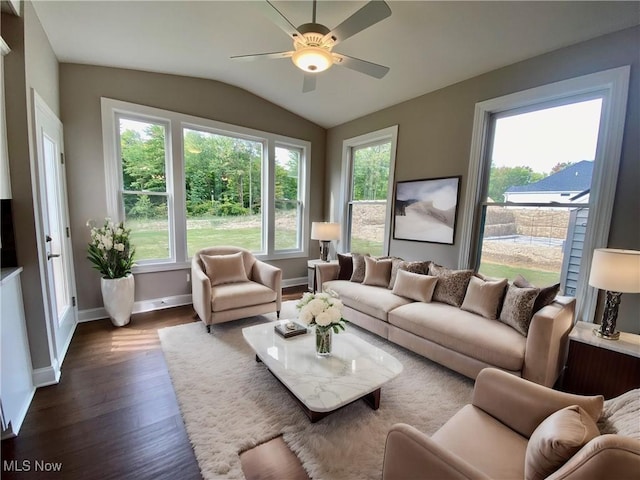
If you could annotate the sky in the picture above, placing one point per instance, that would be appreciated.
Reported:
(544, 138)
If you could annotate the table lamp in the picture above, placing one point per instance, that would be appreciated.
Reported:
(617, 272)
(325, 232)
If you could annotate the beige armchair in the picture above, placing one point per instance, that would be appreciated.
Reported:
(229, 283)
(497, 434)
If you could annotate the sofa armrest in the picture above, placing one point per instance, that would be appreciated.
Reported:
(606, 456)
(410, 453)
(324, 273)
(522, 405)
(269, 276)
(547, 341)
(200, 291)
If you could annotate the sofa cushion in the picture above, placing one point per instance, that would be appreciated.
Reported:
(464, 332)
(517, 308)
(415, 286)
(484, 297)
(358, 267)
(377, 272)
(238, 295)
(452, 284)
(374, 301)
(556, 440)
(345, 267)
(546, 295)
(396, 263)
(482, 441)
(224, 268)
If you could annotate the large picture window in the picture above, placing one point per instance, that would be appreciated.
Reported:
(183, 183)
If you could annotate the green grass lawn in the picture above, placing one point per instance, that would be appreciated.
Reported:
(539, 278)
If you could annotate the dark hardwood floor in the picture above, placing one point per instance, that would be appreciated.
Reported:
(114, 414)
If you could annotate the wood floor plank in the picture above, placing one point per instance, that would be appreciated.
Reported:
(114, 413)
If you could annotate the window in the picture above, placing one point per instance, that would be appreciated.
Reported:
(183, 183)
(540, 229)
(368, 164)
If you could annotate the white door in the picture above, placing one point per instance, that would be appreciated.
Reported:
(55, 233)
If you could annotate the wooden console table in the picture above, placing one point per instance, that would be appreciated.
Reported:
(599, 366)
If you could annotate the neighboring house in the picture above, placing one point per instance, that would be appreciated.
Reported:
(560, 187)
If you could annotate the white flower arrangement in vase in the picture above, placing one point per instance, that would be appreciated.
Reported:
(325, 312)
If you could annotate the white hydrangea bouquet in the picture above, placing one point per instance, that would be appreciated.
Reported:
(110, 249)
(321, 309)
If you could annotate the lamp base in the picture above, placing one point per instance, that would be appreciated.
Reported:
(613, 336)
(324, 250)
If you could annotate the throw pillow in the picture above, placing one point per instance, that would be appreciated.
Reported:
(556, 440)
(517, 308)
(620, 415)
(484, 297)
(358, 267)
(377, 272)
(415, 286)
(396, 263)
(452, 284)
(345, 267)
(546, 295)
(224, 268)
(417, 267)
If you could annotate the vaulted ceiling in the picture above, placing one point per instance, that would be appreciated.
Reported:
(426, 44)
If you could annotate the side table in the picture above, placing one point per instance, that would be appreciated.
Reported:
(311, 272)
(596, 366)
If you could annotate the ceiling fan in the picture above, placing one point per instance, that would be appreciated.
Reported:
(313, 42)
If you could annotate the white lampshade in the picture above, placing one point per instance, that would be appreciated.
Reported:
(312, 59)
(615, 270)
(325, 231)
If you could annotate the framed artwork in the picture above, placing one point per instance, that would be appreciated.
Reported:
(425, 210)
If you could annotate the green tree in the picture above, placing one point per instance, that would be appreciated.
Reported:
(501, 178)
(371, 172)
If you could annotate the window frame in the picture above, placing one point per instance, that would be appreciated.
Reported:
(388, 134)
(112, 110)
(613, 86)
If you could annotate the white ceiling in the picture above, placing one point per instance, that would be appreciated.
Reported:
(427, 45)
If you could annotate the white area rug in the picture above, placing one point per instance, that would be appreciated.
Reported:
(230, 403)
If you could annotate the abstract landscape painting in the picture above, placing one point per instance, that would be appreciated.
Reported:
(425, 210)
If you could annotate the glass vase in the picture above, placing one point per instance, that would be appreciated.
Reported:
(323, 341)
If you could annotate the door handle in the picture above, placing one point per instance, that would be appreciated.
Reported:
(52, 255)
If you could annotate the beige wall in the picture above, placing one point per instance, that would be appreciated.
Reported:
(81, 87)
(30, 64)
(434, 139)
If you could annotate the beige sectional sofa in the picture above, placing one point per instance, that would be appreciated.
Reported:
(460, 340)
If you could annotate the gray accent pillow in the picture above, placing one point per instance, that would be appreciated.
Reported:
(358, 267)
(377, 272)
(517, 308)
(452, 284)
(484, 297)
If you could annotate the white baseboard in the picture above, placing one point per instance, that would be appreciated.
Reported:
(43, 377)
(100, 313)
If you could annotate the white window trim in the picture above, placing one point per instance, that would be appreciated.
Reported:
(613, 85)
(379, 136)
(176, 122)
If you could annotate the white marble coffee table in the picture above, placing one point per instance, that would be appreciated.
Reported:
(355, 369)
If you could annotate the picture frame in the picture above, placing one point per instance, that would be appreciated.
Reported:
(426, 210)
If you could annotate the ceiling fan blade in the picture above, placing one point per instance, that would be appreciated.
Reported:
(362, 66)
(261, 56)
(309, 84)
(279, 19)
(370, 14)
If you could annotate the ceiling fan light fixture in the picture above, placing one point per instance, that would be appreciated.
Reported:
(312, 59)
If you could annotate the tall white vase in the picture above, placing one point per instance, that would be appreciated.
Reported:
(117, 296)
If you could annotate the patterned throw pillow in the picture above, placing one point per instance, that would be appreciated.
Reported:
(345, 270)
(546, 295)
(377, 272)
(452, 284)
(417, 267)
(358, 267)
(484, 297)
(517, 308)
